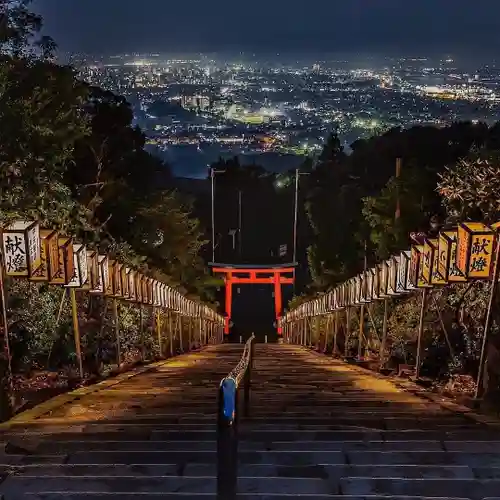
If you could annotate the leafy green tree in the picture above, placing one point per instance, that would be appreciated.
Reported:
(471, 188)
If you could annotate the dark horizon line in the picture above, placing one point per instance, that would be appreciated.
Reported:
(312, 55)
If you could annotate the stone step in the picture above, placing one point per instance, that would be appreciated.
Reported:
(142, 457)
(320, 471)
(111, 426)
(468, 488)
(54, 447)
(10, 460)
(455, 440)
(204, 457)
(311, 446)
(153, 496)
(292, 458)
(333, 425)
(16, 486)
(423, 458)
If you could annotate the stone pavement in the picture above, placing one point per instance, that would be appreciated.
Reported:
(325, 429)
(318, 428)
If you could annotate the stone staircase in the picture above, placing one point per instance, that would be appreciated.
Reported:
(151, 436)
(324, 429)
(318, 428)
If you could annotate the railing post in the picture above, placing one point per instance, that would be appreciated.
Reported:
(227, 422)
(248, 379)
(227, 451)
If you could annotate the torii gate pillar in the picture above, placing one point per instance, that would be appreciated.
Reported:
(255, 275)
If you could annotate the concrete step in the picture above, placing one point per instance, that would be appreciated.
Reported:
(455, 441)
(54, 446)
(310, 446)
(112, 426)
(11, 460)
(17, 486)
(319, 471)
(132, 434)
(474, 489)
(423, 458)
(142, 457)
(442, 430)
(152, 496)
(288, 457)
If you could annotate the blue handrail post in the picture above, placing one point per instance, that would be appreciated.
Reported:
(227, 423)
(227, 444)
(247, 380)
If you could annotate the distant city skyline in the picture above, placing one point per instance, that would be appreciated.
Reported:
(392, 27)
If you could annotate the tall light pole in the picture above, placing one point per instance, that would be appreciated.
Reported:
(298, 173)
(240, 217)
(212, 177)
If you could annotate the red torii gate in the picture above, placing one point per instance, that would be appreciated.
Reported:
(277, 275)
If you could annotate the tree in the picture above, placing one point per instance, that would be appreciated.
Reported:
(20, 32)
(471, 188)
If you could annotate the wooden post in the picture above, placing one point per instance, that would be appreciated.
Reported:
(158, 330)
(381, 355)
(335, 332)
(200, 326)
(420, 332)
(76, 331)
(170, 333)
(190, 332)
(347, 331)
(181, 332)
(487, 324)
(141, 332)
(117, 332)
(361, 331)
(6, 335)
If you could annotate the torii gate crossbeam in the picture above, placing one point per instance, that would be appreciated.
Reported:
(276, 275)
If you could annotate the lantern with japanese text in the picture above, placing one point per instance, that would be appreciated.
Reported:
(117, 279)
(392, 278)
(131, 284)
(93, 267)
(383, 278)
(80, 268)
(149, 288)
(63, 269)
(416, 267)
(431, 263)
(21, 248)
(99, 287)
(447, 249)
(475, 242)
(428, 255)
(138, 287)
(124, 282)
(144, 288)
(49, 250)
(404, 284)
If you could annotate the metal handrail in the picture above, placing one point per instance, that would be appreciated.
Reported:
(227, 422)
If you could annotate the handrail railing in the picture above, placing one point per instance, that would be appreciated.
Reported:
(227, 421)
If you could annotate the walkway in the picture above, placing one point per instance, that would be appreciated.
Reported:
(318, 427)
(322, 427)
(152, 433)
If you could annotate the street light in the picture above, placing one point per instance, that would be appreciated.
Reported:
(298, 173)
(213, 171)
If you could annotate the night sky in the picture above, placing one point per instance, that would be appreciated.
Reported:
(267, 26)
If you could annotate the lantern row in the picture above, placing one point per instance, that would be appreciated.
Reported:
(43, 255)
(455, 256)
